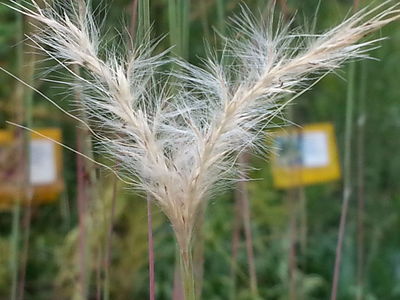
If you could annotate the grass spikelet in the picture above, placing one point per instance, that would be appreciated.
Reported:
(178, 149)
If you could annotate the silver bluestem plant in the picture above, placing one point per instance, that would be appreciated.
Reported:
(179, 144)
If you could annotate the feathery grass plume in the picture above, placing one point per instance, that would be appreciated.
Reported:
(178, 149)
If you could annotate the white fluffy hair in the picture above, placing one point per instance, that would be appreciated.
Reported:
(178, 143)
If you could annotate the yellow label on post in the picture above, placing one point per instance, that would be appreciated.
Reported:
(44, 172)
(305, 156)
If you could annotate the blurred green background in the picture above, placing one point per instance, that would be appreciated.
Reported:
(47, 264)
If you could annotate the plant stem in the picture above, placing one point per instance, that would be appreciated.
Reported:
(179, 25)
(107, 250)
(347, 180)
(82, 214)
(360, 178)
(360, 182)
(143, 26)
(133, 23)
(236, 227)
(23, 116)
(292, 208)
(143, 19)
(187, 273)
(85, 186)
(29, 71)
(242, 217)
(25, 249)
(178, 18)
(221, 16)
(150, 249)
(347, 173)
(247, 232)
(15, 248)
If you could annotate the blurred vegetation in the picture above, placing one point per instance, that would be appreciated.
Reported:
(52, 267)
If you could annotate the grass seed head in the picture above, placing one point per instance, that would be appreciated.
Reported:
(178, 147)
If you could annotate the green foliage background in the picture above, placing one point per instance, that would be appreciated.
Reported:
(52, 268)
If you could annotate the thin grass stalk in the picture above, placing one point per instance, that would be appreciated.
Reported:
(133, 23)
(243, 195)
(292, 207)
(360, 176)
(347, 186)
(185, 4)
(82, 214)
(85, 183)
(346, 178)
(143, 19)
(199, 234)
(108, 243)
(173, 24)
(25, 248)
(143, 28)
(249, 247)
(199, 238)
(178, 18)
(23, 115)
(29, 71)
(187, 272)
(293, 194)
(81, 198)
(361, 121)
(152, 280)
(236, 227)
(221, 16)
(291, 200)
(82, 206)
(14, 249)
(240, 197)
(204, 20)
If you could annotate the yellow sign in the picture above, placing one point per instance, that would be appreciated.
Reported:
(45, 168)
(305, 156)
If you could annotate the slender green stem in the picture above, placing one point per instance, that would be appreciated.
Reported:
(236, 227)
(293, 236)
(178, 18)
(16, 214)
(107, 250)
(185, 4)
(362, 115)
(142, 34)
(187, 273)
(143, 15)
(243, 195)
(347, 172)
(221, 15)
(347, 180)
(15, 249)
(204, 20)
